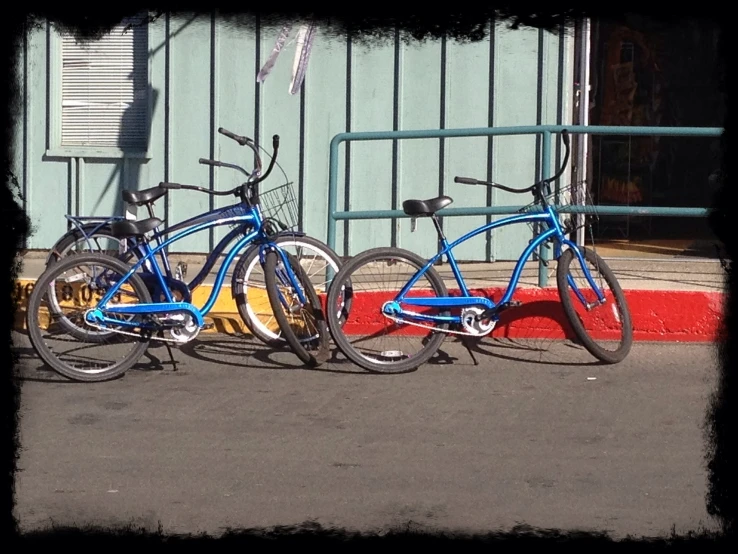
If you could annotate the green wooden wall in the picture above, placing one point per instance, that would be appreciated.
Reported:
(203, 71)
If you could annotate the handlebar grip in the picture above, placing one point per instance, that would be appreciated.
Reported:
(170, 185)
(275, 142)
(238, 138)
(465, 180)
(205, 161)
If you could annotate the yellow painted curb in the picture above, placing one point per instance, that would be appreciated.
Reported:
(224, 313)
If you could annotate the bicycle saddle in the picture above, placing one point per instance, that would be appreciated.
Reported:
(141, 197)
(426, 207)
(128, 228)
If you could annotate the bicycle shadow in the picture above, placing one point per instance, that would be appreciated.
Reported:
(30, 368)
(536, 332)
(231, 349)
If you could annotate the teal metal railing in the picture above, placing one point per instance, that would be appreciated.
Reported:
(545, 131)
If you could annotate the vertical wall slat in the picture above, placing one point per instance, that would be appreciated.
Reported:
(514, 157)
(167, 115)
(46, 179)
(395, 126)
(372, 93)
(215, 233)
(348, 145)
(491, 192)
(418, 165)
(190, 60)
(467, 105)
(279, 113)
(301, 160)
(324, 117)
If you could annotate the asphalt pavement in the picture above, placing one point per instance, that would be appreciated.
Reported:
(240, 436)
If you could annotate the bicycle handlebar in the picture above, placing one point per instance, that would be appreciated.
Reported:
(246, 141)
(243, 141)
(254, 177)
(536, 187)
(176, 186)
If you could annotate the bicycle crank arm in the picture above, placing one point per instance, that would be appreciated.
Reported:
(494, 312)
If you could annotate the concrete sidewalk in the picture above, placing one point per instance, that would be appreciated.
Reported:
(671, 298)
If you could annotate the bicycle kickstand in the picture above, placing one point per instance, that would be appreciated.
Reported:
(465, 341)
(169, 349)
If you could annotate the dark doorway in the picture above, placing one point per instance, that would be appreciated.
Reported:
(646, 72)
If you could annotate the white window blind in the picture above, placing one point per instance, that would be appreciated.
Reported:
(104, 89)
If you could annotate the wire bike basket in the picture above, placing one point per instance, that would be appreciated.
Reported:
(279, 206)
(576, 194)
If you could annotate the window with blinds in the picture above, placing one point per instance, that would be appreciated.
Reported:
(105, 89)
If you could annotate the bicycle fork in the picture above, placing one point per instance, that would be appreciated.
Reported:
(290, 279)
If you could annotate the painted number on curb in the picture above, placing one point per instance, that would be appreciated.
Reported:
(23, 292)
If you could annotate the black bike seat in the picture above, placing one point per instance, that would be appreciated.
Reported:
(141, 197)
(426, 207)
(127, 228)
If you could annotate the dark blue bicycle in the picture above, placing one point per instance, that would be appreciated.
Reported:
(384, 322)
(126, 307)
(247, 286)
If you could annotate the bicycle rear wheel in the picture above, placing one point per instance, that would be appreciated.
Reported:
(71, 289)
(313, 345)
(74, 242)
(612, 323)
(369, 338)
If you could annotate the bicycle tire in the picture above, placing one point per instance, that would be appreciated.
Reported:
(562, 270)
(310, 359)
(241, 278)
(34, 327)
(75, 235)
(349, 268)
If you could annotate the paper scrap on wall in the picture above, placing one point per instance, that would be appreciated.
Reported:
(304, 43)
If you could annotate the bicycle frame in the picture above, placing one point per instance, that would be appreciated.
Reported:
(138, 245)
(553, 232)
(251, 217)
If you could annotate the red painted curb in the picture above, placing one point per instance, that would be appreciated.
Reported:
(657, 315)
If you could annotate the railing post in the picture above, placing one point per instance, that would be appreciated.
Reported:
(332, 191)
(332, 194)
(545, 169)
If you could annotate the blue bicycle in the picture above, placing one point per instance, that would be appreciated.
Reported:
(94, 234)
(393, 317)
(107, 295)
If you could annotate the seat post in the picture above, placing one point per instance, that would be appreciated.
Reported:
(441, 236)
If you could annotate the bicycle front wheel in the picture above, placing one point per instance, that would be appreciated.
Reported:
(249, 285)
(77, 284)
(371, 339)
(306, 319)
(608, 322)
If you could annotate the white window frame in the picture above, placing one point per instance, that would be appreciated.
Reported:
(54, 147)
